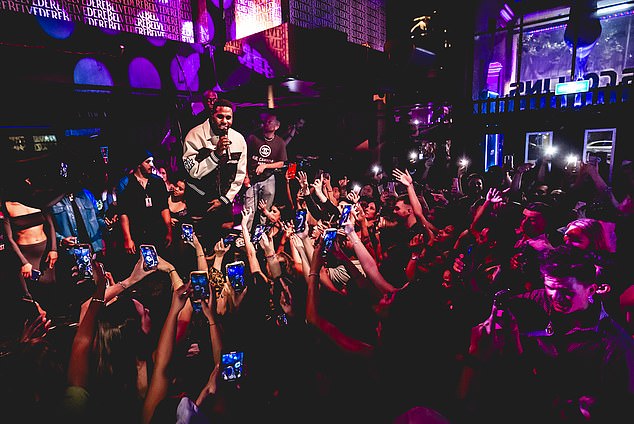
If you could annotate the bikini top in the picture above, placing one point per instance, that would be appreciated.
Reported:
(22, 222)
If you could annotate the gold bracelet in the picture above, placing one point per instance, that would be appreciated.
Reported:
(313, 273)
(122, 284)
(198, 256)
(92, 299)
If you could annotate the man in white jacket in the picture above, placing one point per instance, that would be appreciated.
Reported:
(215, 156)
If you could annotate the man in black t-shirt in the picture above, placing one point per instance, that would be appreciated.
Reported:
(144, 213)
(266, 152)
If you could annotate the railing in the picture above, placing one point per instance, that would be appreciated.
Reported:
(617, 94)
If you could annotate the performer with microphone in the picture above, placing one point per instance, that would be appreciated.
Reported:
(215, 172)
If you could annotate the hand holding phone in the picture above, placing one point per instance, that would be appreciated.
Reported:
(260, 229)
(150, 257)
(329, 238)
(235, 274)
(200, 289)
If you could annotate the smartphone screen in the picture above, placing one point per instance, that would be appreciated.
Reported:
(187, 233)
(230, 238)
(150, 257)
(200, 288)
(300, 220)
(345, 213)
(329, 237)
(83, 260)
(232, 366)
(260, 229)
(235, 273)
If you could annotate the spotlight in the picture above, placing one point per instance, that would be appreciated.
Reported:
(376, 169)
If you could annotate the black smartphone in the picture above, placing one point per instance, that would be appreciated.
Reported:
(83, 259)
(260, 229)
(200, 288)
(232, 366)
(187, 233)
(150, 257)
(329, 238)
(35, 274)
(345, 213)
(229, 239)
(235, 273)
(299, 223)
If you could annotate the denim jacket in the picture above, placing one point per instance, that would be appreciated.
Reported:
(66, 225)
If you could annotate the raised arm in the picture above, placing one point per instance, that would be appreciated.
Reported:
(160, 381)
(406, 179)
(313, 317)
(79, 364)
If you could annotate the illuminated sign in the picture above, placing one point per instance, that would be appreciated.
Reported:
(572, 87)
(252, 16)
(170, 19)
(606, 78)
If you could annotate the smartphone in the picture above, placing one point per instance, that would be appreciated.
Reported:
(230, 238)
(329, 237)
(200, 288)
(187, 233)
(83, 259)
(299, 223)
(292, 170)
(63, 169)
(260, 229)
(232, 366)
(345, 213)
(35, 274)
(235, 273)
(150, 257)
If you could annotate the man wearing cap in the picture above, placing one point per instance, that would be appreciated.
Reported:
(215, 156)
(144, 213)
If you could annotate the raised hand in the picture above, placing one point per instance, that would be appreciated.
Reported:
(494, 196)
(354, 197)
(262, 205)
(220, 249)
(403, 177)
(246, 215)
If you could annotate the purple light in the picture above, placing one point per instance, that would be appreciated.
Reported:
(90, 71)
(143, 74)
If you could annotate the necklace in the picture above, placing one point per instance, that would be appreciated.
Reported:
(269, 139)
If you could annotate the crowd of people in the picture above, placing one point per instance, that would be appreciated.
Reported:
(437, 297)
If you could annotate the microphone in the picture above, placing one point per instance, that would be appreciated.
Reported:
(224, 133)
